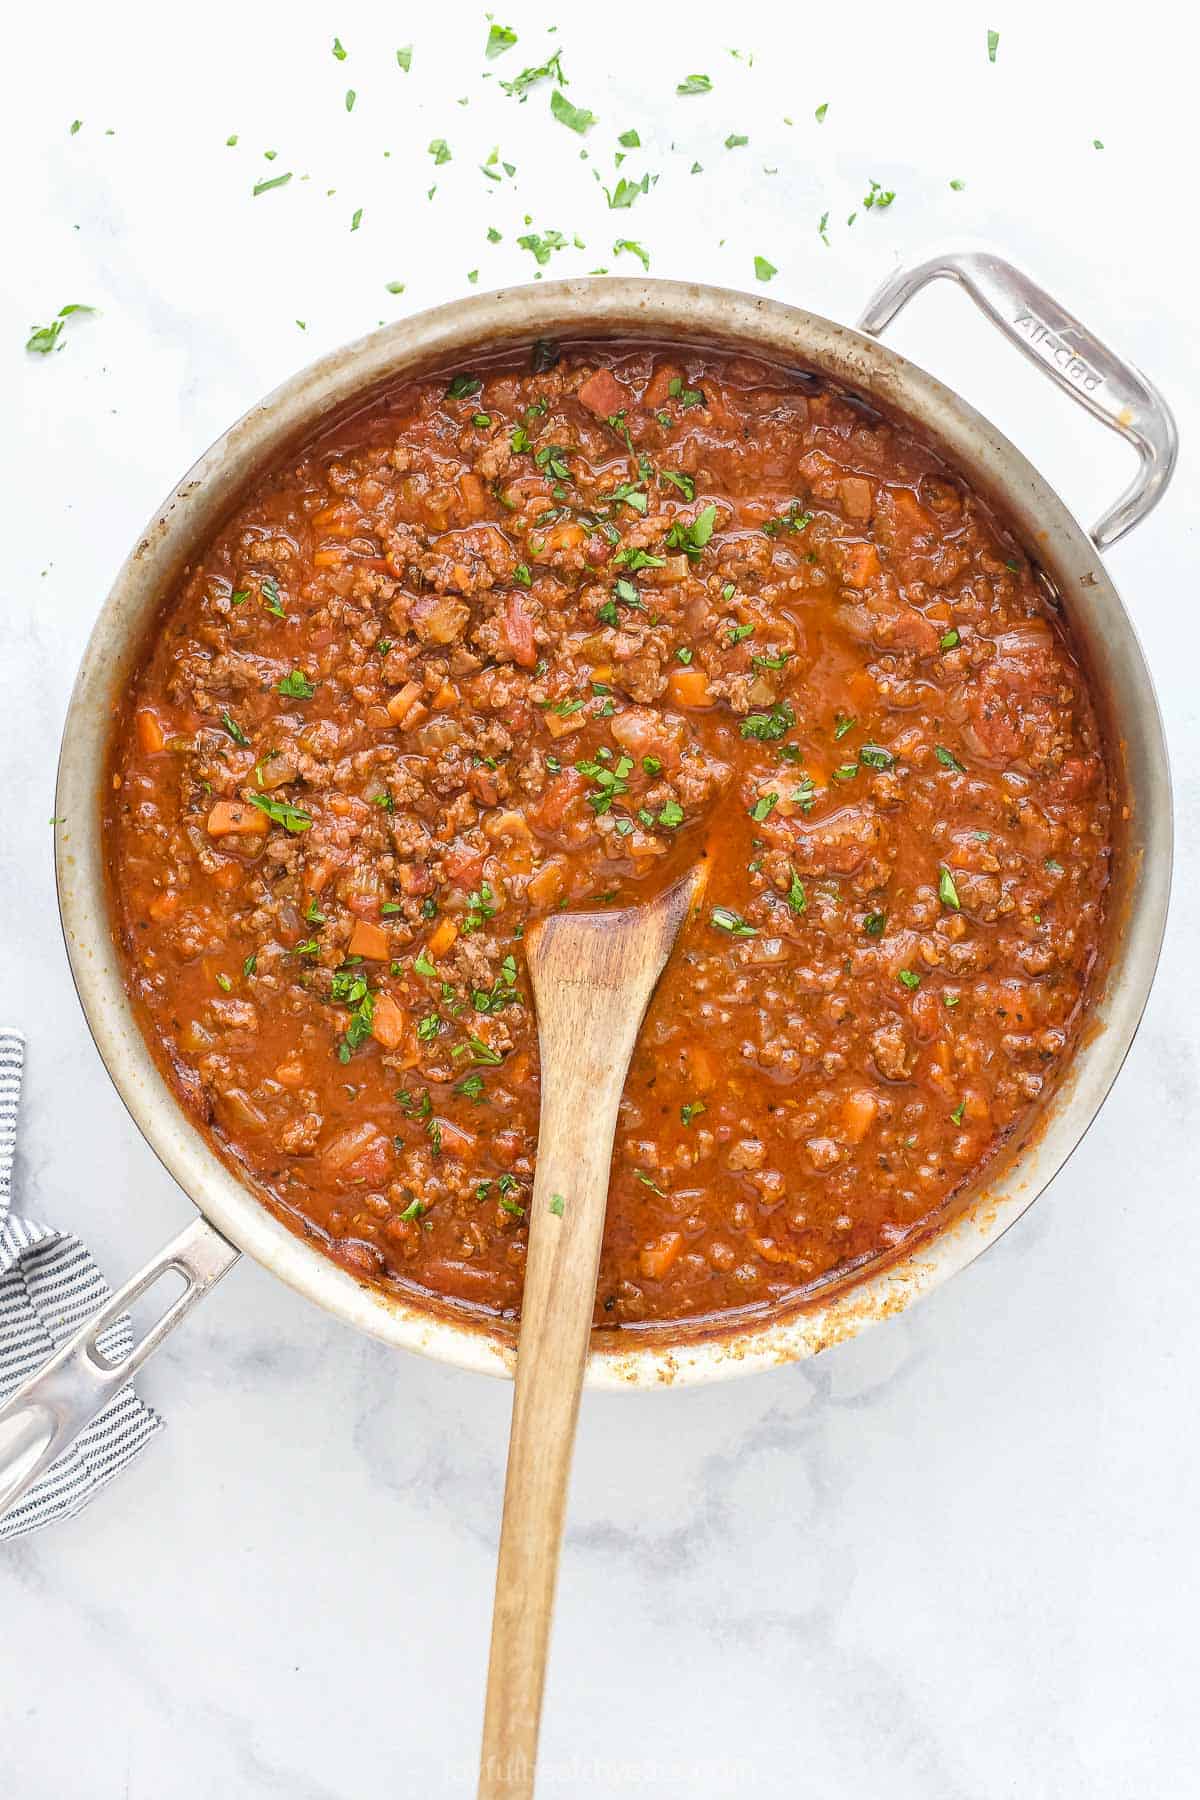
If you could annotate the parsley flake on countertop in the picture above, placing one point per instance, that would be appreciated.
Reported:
(695, 84)
(439, 149)
(576, 118)
(275, 181)
(764, 270)
(993, 44)
(500, 38)
(44, 338)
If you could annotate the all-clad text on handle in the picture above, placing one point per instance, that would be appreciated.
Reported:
(1111, 388)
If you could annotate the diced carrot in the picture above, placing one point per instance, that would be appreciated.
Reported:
(328, 559)
(654, 1260)
(236, 818)
(689, 687)
(703, 1069)
(858, 1115)
(603, 394)
(403, 701)
(860, 564)
(564, 536)
(369, 940)
(164, 906)
(389, 1023)
(442, 937)
(150, 734)
(909, 511)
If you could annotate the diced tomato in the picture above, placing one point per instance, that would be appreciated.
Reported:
(603, 394)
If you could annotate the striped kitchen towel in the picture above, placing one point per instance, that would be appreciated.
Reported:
(49, 1286)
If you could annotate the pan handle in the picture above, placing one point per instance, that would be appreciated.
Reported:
(46, 1413)
(1096, 377)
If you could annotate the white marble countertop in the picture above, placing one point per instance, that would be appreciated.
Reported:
(954, 1560)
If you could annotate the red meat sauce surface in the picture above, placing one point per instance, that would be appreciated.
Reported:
(541, 636)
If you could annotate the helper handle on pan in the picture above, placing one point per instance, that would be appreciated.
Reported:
(46, 1413)
(1095, 376)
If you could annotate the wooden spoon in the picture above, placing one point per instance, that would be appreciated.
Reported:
(592, 976)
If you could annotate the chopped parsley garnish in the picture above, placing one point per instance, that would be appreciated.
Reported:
(282, 812)
(556, 1206)
(348, 988)
(610, 782)
(947, 759)
(735, 140)
(270, 597)
(471, 1086)
(500, 38)
(576, 118)
(634, 249)
(909, 980)
(552, 458)
(993, 44)
(638, 559)
(875, 924)
(691, 1109)
(481, 905)
(842, 724)
(671, 814)
(541, 246)
(763, 807)
(876, 757)
(626, 192)
(630, 139)
(423, 966)
(295, 686)
(684, 483)
(43, 338)
(947, 892)
(725, 919)
(235, 731)
(250, 965)
(648, 1181)
(764, 270)
(878, 197)
(686, 396)
(797, 899)
(520, 85)
(957, 1114)
(794, 519)
(404, 58)
(439, 149)
(694, 84)
(766, 727)
(819, 115)
(463, 386)
(263, 187)
(949, 640)
(692, 538)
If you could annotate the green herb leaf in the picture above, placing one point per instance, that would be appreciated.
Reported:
(634, 250)
(671, 814)
(768, 727)
(875, 924)
(463, 386)
(764, 270)
(947, 759)
(993, 44)
(439, 149)
(500, 38)
(949, 640)
(735, 141)
(556, 1205)
(264, 187)
(338, 50)
(725, 919)
(404, 58)
(909, 980)
(695, 84)
(957, 1114)
(235, 731)
(576, 118)
(295, 686)
(876, 757)
(819, 115)
(797, 899)
(282, 812)
(691, 1109)
(947, 892)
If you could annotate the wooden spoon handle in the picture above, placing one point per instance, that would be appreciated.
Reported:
(592, 989)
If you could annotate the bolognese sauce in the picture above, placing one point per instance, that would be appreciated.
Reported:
(543, 634)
